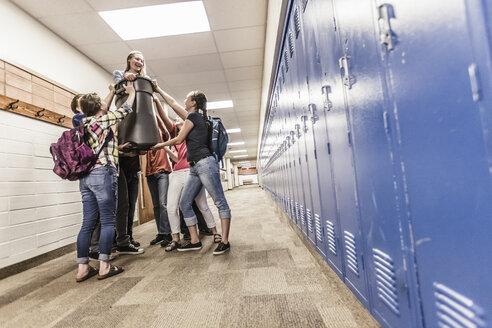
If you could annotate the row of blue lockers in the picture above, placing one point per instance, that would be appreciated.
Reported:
(377, 144)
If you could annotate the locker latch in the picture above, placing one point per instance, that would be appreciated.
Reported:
(314, 113)
(326, 90)
(298, 130)
(343, 62)
(304, 119)
(386, 34)
(292, 137)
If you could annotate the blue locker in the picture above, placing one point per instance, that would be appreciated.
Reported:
(343, 163)
(437, 88)
(296, 54)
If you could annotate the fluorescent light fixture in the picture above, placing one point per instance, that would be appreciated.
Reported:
(233, 130)
(235, 143)
(220, 104)
(237, 151)
(238, 156)
(160, 20)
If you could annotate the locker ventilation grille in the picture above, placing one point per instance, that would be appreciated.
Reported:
(283, 75)
(286, 61)
(297, 22)
(351, 252)
(291, 44)
(297, 211)
(386, 280)
(301, 214)
(456, 310)
(309, 219)
(319, 228)
(330, 237)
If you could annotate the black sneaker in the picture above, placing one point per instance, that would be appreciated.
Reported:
(187, 236)
(190, 247)
(135, 243)
(222, 248)
(158, 239)
(130, 249)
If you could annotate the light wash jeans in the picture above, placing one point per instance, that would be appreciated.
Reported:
(177, 181)
(205, 173)
(158, 187)
(99, 190)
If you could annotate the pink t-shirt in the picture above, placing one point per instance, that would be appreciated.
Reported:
(182, 162)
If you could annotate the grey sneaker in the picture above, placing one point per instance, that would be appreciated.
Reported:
(222, 248)
(130, 249)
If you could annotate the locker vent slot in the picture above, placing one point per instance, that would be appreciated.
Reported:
(386, 280)
(309, 219)
(301, 214)
(351, 252)
(286, 61)
(297, 22)
(283, 75)
(456, 310)
(304, 4)
(319, 228)
(291, 44)
(330, 237)
(297, 211)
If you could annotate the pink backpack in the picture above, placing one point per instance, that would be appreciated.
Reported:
(72, 156)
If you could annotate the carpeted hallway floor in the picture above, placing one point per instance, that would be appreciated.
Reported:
(268, 279)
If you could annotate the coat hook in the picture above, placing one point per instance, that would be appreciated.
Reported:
(13, 105)
(60, 120)
(39, 113)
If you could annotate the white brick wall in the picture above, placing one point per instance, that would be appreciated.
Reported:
(39, 212)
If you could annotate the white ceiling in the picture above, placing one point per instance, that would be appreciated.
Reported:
(226, 63)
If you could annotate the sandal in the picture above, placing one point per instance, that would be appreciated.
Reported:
(217, 238)
(173, 244)
(92, 272)
(113, 270)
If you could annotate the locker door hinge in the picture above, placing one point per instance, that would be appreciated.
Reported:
(386, 123)
(299, 160)
(386, 34)
(344, 65)
(305, 155)
(327, 104)
(334, 24)
(349, 136)
(362, 262)
(475, 82)
(315, 154)
(329, 148)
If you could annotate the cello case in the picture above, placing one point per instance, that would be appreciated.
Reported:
(140, 126)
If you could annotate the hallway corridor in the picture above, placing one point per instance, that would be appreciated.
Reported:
(268, 279)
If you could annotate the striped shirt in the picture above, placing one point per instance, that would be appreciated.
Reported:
(97, 129)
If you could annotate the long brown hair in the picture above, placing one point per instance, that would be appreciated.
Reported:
(201, 102)
(130, 56)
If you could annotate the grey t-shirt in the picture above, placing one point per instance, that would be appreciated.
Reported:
(197, 138)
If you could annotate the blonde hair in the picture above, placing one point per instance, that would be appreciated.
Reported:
(130, 56)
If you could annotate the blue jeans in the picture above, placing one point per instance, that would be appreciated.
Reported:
(204, 173)
(99, 190)
(158, 186)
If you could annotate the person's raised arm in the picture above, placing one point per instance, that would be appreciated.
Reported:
(172, 154)
(162, 114)
(109, 98)
(180, 110)
(183, 133)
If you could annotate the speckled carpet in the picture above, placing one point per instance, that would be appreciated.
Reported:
(268, 279)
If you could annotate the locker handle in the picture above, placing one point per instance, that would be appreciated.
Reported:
(292, 137)
(304, 119)
(298, 130)
(314, 113)
(343, 62)
(326, 90)
(386, 34)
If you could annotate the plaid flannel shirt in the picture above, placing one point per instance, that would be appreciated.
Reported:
(97, 129)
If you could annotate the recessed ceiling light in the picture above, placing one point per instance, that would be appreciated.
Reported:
(237, 151)
(220, 104)
(160, 20)
(233, 130)
(238, 156)
(235, 143)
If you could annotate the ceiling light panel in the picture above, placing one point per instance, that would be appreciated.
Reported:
(156, 21)
(233, 130)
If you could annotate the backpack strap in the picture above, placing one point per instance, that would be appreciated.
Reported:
(106, 141)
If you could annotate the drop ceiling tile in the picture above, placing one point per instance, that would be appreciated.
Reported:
(100, 54)
(244, 85)
(228, 14)
(175, 45)
(246, 94)
(81, 29)
(244, 73)
(240, 38)
(186, 64)
(248, 101)
(99, 5)
(197, 79)
(43, 8)
(233, 59)
(245, 110)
